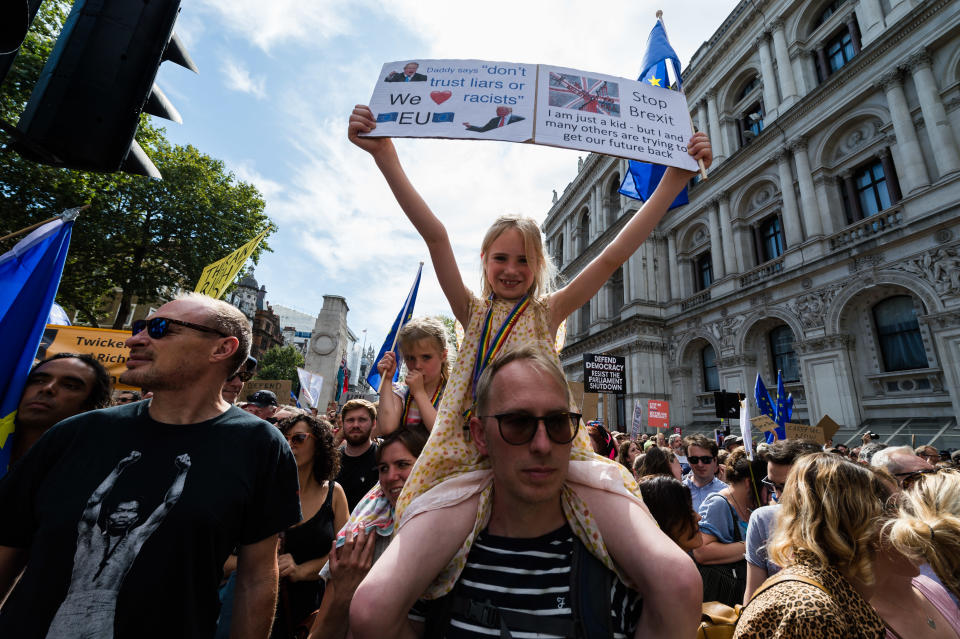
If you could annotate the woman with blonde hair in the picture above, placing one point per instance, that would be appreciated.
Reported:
(925, 530)
(825, 537)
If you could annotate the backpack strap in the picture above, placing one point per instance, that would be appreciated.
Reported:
(590, 585)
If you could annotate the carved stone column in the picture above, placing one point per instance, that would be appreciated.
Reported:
(716, 242)
(791, 214)
(674, 266)
(808, 197)
(716, 135)
(854, 30)
(853, 198)
(788, 89)
(890, 175)
(770, 99)
(913, 170)
(726, 229)
(650, 253)
(942, 139)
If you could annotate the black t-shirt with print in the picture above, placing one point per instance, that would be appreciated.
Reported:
(128, 521)
(358, 474)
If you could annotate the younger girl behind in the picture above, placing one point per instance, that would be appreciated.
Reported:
(423, 344)
(518, 308)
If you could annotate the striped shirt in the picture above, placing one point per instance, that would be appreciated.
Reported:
(530, 576)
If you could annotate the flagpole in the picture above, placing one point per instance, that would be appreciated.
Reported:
(406, 307)
(39, 224)
(703, 167)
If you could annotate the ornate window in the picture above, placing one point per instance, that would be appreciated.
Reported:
(783, 355)
(898, 333)
(840, 50)
(583, 231)
(584, 319)
(872, 191)
(703, 271)
(770, 234)
(558, 250)
(711, 378)
(751, 84)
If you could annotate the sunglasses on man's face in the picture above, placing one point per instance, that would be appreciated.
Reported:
(520, 428)
(703, 459)
(158, 327)
(245, 376)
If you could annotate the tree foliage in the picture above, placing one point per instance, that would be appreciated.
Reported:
(142, 236)
(280, 362)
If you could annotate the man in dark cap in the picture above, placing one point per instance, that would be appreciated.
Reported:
(263, 404)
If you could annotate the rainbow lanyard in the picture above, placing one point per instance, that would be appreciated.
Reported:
(435, 400)
(489, 345)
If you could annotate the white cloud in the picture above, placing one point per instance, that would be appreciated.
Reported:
(268, 23)
(238, 78)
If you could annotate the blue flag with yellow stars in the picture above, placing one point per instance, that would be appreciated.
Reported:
(642, 178)
(29, 276)
(390, 343)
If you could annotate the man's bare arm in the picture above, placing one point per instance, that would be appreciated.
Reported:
(255, 598)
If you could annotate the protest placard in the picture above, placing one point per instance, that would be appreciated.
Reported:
(106, 345)
(216, 277)
(658, 413)
(516, 102)
(280, 387)
(637, 420)
(823, 431)
(604, 373)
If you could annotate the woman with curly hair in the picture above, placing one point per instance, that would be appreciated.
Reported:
(304, 547)
(825, 537)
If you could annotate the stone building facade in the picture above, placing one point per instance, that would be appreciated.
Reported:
(825, 242)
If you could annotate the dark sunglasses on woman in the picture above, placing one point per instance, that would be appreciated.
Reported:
(158, 327)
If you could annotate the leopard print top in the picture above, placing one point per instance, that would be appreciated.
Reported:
(795, 610)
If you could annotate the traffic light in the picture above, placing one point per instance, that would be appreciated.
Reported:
(85, 108)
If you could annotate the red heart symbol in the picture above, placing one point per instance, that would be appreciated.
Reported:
(440, 96)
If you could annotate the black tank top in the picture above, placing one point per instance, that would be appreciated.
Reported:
(312, 538)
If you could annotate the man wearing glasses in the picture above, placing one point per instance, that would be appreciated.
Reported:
(781, 457)
(702, 479)
(520, 569)
(234, 384)
(234, 483)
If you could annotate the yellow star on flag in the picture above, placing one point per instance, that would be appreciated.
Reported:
(654, 82)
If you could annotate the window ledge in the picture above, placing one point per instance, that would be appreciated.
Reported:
(762, 272)
(868, 227)
(919, 380)
(697, 300)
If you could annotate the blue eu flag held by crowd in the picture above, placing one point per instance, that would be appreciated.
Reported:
(642, 178)
(781, 412)
(389, 344)
(29, 276)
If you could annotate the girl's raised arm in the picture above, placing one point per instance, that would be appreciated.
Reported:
(588, 281)
(427, 224)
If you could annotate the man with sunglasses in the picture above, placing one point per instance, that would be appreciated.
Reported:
(521, 569)
(702, 478)
(781, 456)
(234, 384)
(236, 485)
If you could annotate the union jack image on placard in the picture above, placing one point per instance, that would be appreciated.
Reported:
(584, 94)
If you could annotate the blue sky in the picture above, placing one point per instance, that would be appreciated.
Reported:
(278, 80)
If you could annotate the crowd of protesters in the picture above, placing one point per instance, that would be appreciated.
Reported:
(813, 540)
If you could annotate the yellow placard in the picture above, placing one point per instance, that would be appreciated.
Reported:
(106, 345)
(216, 277)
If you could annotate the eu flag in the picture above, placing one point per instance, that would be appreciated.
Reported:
(443, 117)
(29, 276)
(388, 117)
(766, 406)
(642, 178)
(390, 343)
